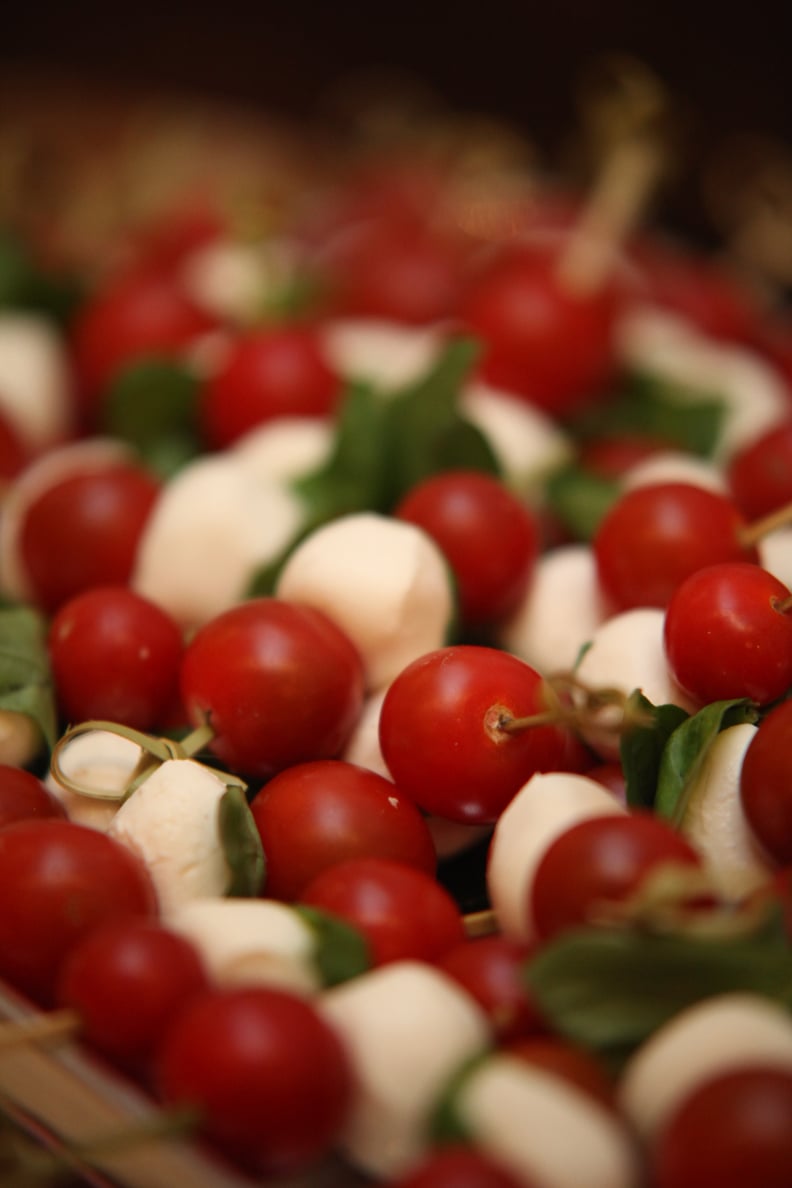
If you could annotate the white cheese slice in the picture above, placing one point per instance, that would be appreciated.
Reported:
(35, 380)
(386, 354)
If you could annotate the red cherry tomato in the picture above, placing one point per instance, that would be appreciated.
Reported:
(766, 783)
(492, 970)
(760, 474)
(403, 913)
(733, 1130)
(58, 880)
(269, 1077)
(459, 1167)
(443, 731)
(278, 371)
(542, 340)
(653, 537)
(127, 980)
(610, 456)
(728, 633)
(313, 815)
(599, 861)
(84, 530)
(14, 454)
(24, 797)
(278, 683)
(114, 655)
(146, 313)
(489, 537)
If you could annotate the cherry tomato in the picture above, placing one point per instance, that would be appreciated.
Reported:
(728, 634)
(58, 880)
(766, 783)
(23, 797)
(599, 861)
(444, 734)
(492, 970)
(733, 1130)
(611, 776)
(84, 530)
(402, 912)
(653, 537)
(127, 980)
(270, 1078)
(579, 1066)
(278, 371)
(278, 683)
(114, 655)
(760, 474)
(612, 455)
(14, 454)
(542, 340)
(459, 1167)
(144, 313)
(489, 537)
(313, 815)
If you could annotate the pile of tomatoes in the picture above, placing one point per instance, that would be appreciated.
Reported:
(283, 515)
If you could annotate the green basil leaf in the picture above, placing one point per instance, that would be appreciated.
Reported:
(610, 989)
(445, 1124)
(26, 684)
(26, 286)
(152, 404)
(642, 746)
(341, 952)
(241, 843)
(687, 749)
(580, 499)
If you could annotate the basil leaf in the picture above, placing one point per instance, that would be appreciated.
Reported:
(341, 951)
(580, 499)
(152, 404)
(26, 684)
(687, 749)
(610, 989)
(445, 1122)
(241, 843)
(642, 746)
(26, 286)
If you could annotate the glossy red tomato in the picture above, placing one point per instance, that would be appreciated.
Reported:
(14, 453)
(402, 912)
(543, 340)
(492, 970)
(444, 732)
(114, 655)
(269, 1077)
(760, 474)
(653, 537)
(459, 1167)
(84, 530)
(766, 783)
(278, 683)
(600, 861)
(23, 797)
(58, 880)
(733, 1130)
(728, 633)
(488, 535)
(127, 981)
(313, 815)
(278, 371)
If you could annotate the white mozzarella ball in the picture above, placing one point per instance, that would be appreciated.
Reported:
(562, 607)
(212, 527)
(528, 444)
(544, 808)
(35, 380)
(250, 942)
(713, 1036)
(714, 821)
(234, 279)
(542, 1128)
(386, 354)
(285, 448)
(99, 760)
(383, 581)
(407, 1028)
(675, 466)
(172, 822)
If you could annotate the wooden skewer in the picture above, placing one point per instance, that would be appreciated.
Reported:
(483, 923)
(41, 1029)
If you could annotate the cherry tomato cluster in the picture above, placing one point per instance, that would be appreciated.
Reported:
(408, 641)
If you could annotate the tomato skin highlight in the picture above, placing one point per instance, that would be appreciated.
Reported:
(313, 815)
(269, 1077)
(439, 737)
(58, 880)
(278, 683)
